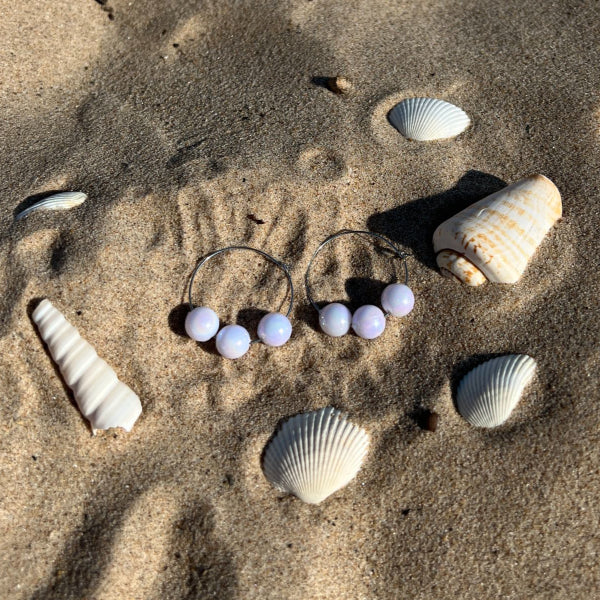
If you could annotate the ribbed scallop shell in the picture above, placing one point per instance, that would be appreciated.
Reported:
(315, 454)
(488, 394)
(427, 119)
(103, 399)
(60, 201)
(500, 233)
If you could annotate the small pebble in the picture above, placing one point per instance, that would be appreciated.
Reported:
(338, 85)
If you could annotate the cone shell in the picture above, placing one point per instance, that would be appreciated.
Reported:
(315, 454)
(427, 119)
(489, 393)
(103, 399)
(499, 234)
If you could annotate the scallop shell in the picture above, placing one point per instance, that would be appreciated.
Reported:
(426, 119)
(103, 399)
(499, 234)
(488, 394)
(61, 201)
(315, 454)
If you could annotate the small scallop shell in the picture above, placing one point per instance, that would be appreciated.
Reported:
(315, 454)
(426, 119)
(103, 399)
(61, 201)
(488, 394)
(499, 234)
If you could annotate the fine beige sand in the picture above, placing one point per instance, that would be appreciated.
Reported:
(188, 122)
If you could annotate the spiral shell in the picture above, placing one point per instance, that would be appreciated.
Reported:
(494, 238)
(103, 399)
(315, 454)
(488, 394)
(427, 119)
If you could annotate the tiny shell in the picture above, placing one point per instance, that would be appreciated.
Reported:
(427, 119)
(494, 238)
(103, 399)
(488, 394)
(61, 201)
(315, 454)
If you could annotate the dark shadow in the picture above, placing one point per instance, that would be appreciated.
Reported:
(364, 290)
(177, 319)
(203, 567)
(320, 81)
(59, 256)
(426, 419)
(79, 568)
(412, 224)
(31, 200)
(249, 318)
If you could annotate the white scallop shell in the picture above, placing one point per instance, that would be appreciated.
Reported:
(103, 399)
(426, 119)
(488, 394)
(499, 234)
(315, 454)
(61, 201)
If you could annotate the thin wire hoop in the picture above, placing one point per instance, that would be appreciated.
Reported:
(285, 268)
(399, 254)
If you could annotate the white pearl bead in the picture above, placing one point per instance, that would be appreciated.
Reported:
(201, 323)
(368, 322)
(274, 329)
(397, 299)
(233, 341)
(335, 319)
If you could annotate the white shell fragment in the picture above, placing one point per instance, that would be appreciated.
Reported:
(61, 201)
(494, 238)
(315, 454)
(427, 119)
(488, 394)
(103, 399)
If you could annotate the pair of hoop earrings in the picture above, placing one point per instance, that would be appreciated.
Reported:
(275, 329)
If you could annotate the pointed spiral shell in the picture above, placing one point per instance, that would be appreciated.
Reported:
(103, 399)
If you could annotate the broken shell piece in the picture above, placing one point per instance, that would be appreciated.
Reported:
(338, 85)
(488, 394)
(494, 238)
(103, 399)
(315, 454)
(61, 201)
(428, 119)
(452, 264)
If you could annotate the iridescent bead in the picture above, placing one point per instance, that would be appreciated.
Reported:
(368, 322)
(397, 299)
(335, 319)
(201, 323)
(274, 329)
(233, 341)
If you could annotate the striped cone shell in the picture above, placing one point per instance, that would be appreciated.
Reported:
(499, 234)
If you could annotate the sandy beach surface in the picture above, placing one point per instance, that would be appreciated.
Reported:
(194, 125)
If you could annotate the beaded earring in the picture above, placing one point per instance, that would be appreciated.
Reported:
(233, 341)
(368, 321)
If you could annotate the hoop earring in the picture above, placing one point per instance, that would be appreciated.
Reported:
(368, 321)
(233, 341)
